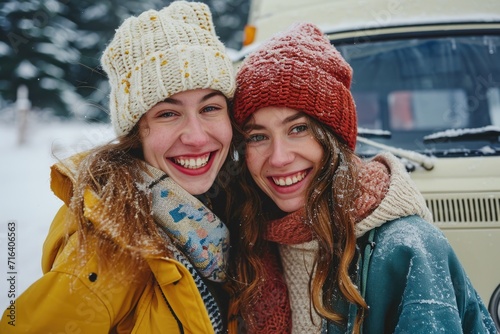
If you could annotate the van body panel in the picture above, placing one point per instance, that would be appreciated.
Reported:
(342, 15)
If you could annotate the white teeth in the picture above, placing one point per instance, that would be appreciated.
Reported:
(289, 180)
(192, 163)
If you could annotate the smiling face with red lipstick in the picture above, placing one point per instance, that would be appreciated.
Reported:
(282, 155)
(188, 137)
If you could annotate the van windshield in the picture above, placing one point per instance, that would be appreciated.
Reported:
(438, 96)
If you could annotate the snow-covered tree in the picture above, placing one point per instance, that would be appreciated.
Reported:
(229, 17)
(53, 47)
(38, 48)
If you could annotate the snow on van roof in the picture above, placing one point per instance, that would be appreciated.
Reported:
(451, 133)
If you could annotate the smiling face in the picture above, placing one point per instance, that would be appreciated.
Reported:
(282, 155)
(188, 137)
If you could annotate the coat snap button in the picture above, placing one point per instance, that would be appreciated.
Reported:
(92, 277)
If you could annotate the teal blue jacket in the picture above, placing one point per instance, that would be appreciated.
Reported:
(413, 283)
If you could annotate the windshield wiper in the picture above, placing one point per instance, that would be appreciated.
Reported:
(370, 133)
(426, 162)
(490, 133)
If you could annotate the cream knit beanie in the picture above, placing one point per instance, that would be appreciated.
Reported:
(161, 53)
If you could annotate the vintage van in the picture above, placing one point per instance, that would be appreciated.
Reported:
(427, 87)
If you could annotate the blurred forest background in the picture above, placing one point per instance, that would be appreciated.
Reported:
(53, 47)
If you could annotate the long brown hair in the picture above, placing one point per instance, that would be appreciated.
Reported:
(127, 230)
(329, 210)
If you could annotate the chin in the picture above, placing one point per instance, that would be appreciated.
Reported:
(196, 191)
(291, 207)
(200, 189)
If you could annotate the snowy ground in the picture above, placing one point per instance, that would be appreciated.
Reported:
(26, 198)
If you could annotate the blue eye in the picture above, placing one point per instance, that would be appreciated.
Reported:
(167, 114)
(255, 138)
(210, 108)
(299, 128)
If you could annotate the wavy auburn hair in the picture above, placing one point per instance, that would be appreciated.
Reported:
(127, 230)
(330, 211)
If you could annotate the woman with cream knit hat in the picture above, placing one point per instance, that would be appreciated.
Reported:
(136, 247)
(327, 242)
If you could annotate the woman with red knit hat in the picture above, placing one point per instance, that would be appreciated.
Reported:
(330, 243)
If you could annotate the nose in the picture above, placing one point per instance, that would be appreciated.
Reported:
(194, 133)
(281, 153)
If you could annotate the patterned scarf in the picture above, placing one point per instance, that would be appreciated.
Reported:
(193, 228)
(271, 312)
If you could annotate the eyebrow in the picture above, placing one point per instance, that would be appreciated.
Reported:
(252, 126)
(203, 99)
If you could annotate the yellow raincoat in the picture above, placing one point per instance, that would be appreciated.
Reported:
(70, 300)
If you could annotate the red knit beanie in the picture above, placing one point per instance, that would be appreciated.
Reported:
(301, 70)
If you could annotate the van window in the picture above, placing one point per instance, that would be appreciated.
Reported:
(417, 86)
(494, 105)
(428, 109)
